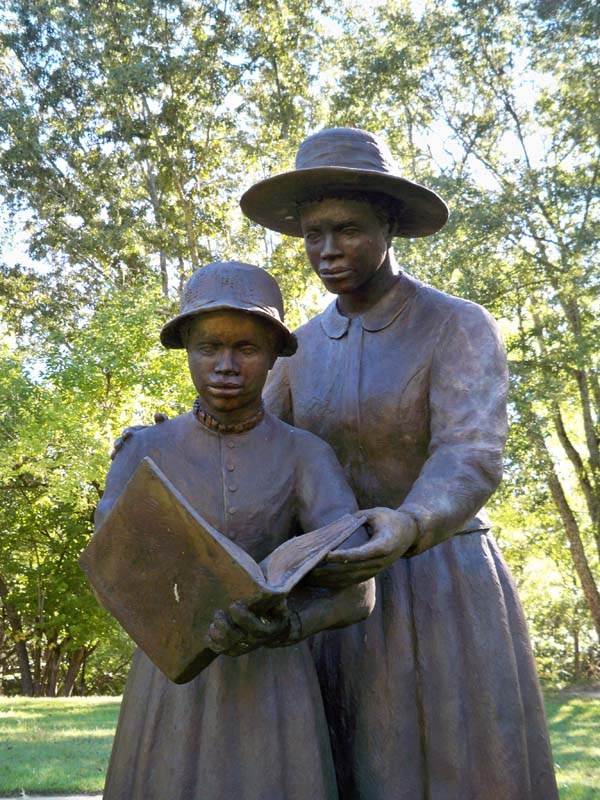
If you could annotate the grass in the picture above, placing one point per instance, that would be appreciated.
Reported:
(56, 745)
(63, 745)
(575, 733)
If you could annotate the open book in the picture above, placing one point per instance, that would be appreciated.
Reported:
(163, 571)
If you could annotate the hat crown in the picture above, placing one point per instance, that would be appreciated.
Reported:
(351, 148)
(232, 284)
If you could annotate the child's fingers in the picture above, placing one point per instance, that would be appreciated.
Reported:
(250, 622)
(222, 633)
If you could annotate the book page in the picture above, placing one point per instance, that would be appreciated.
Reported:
(291, 561)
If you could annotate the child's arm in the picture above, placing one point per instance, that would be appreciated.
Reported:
(324, 495)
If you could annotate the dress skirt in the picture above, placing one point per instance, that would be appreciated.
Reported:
(435, 696)
(247, 728)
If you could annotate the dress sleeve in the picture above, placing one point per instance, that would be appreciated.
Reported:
(277, 396)
(322, 491)
(467, 407)
(323, 495)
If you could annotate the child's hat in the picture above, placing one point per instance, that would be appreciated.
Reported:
(227, 285)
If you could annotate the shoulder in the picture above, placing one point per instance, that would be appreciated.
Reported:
(306, 445)
(454, 312)
(151, 437)
(313, 329)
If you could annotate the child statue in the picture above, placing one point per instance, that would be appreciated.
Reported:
(251, 726)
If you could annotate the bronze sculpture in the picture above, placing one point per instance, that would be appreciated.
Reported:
(435, 695)
(252, 724)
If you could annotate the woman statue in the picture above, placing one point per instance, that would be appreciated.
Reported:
(435, 695)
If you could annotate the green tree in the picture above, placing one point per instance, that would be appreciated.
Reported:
(497, 98)
(126, 133)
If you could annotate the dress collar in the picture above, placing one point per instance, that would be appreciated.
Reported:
(208, 421)
(380, 316)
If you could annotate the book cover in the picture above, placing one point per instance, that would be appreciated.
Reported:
(163, 571)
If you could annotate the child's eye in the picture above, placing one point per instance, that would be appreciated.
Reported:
(248, 350)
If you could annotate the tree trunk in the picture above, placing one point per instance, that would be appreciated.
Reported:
(82, 690)
(587, 485)
(576, 653)
(16, 627)
(75, 663)
(580, 561)
(37, 671)
(50, 679)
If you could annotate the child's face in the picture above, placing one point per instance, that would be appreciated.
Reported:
(229, 355)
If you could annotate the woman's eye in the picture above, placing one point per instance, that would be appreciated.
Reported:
(206, 349)
(311, 237)
(248, 351)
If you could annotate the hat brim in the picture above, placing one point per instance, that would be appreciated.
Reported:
(274, 201)
(170, 335)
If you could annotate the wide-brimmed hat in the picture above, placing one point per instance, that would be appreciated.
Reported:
(343, 159)
(230, 285)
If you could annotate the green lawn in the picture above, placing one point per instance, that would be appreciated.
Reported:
(63, 745)
(575, 733)
(55, 745)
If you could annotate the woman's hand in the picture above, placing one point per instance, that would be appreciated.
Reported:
(392, 533)
(130, 431)
(238, 630)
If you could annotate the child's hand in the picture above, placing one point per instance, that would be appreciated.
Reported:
(238, 630)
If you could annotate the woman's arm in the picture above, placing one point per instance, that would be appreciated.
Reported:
(467, 408)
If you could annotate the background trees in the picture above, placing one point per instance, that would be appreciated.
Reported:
(127, 133)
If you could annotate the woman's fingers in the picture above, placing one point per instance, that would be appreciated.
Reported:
(375, 548)
(337, 576)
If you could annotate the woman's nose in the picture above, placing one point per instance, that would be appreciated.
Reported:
(330, 247)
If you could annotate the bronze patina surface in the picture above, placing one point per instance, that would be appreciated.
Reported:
(252, 724)
(434, 696)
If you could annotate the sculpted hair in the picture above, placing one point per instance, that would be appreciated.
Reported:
(389, 211)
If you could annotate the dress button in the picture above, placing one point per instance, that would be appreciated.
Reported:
(233, 534)
(232, 487)
(230, 444)
(230, 467)
(232, 510)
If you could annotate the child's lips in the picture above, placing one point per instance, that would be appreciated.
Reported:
(226, 388)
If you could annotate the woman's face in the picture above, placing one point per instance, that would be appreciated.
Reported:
(346, 243)
(229, 355)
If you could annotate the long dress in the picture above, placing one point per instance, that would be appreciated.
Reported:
(435, 696)
(251, 727)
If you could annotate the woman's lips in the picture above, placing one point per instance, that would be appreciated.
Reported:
(334, 274)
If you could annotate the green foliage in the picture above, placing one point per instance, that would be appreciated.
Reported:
(127, 133)
(496, 99)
